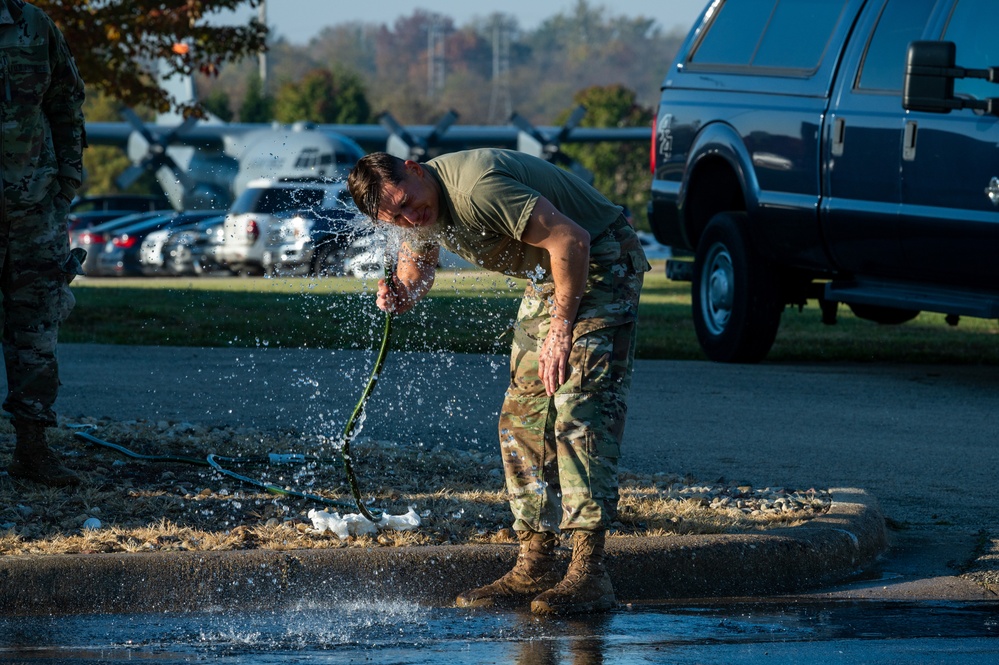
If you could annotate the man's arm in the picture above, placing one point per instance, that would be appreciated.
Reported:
(412, 279)
(568, 245)
(63, 106)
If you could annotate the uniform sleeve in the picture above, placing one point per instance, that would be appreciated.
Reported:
(63, 106)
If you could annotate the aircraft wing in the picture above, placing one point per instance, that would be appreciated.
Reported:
(375, 137)
(371, 137)
(205, 136)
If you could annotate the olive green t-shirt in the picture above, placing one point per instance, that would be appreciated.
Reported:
(488, 196)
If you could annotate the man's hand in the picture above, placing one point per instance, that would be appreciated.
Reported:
(393, 298)
(414, 275)
(553, 364)
(568, 245)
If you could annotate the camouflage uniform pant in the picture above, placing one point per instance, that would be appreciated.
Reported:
(35, 270)
(560, 453)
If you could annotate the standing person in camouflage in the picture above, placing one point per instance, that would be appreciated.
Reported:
(563, 415)
(41, 165)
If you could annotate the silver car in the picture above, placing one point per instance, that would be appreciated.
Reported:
(256, 228)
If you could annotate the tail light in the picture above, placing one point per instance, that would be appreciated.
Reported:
(252, 230)
(88, 238)
(124, 241)
(652, 149)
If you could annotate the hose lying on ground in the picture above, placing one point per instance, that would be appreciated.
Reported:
(215, 461)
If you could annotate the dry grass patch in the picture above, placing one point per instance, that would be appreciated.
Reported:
(146, 506)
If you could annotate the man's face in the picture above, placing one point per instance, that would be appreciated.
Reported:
(413, 203)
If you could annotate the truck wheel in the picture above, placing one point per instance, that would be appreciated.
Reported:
(734, 294)
(888, 316)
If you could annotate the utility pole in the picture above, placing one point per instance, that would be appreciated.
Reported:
(435, 57)
(502, 33)
(262, 56)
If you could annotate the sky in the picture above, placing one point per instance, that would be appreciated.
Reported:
(300, 20)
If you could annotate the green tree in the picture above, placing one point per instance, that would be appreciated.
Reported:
(323, 96)
(113, 40)
(103, 163)
(620, 170)
(257, 107)
(217, 103)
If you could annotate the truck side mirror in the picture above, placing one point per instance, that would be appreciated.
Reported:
(929, 77)
(929, 80)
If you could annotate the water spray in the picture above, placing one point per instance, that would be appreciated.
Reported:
(373, 516)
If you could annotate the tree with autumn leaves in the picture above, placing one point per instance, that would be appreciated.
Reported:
(118, 43)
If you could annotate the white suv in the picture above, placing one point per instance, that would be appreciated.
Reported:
(256, 226)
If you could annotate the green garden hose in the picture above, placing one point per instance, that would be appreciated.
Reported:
(216, 461)
(348, 430)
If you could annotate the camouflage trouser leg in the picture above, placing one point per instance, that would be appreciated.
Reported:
(34, 249)
(560, 453)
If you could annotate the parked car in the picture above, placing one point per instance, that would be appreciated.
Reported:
(152, 257)
(89, 211)
(94, 239)
(191, 250)
(77, 222)
(255, 228)
(121, 254)
(124, 202)
(317, 242)
(832, 151)
(366, 257)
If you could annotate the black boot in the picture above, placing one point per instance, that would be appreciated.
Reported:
(34, 461)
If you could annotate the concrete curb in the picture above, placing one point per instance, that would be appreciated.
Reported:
(832, 548)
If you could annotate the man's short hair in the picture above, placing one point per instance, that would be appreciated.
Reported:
(371, 173)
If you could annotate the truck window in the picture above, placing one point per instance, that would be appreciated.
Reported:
(970, 27)
(768, 34)
(901, 22)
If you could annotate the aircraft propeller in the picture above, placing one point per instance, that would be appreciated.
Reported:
(404, 145)
(156, 155)
(532, 140)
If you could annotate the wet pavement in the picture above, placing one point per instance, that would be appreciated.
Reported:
(404, 632)
(919, 439)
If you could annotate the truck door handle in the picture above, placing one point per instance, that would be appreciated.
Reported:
(909, 141)
(838, 136)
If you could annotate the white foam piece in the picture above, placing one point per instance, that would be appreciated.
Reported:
(355, 524)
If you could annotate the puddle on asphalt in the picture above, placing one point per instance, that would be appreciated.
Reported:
(403, 632)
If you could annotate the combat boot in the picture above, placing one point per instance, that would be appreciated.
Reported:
(587, 586)
(533, 573)
(34, 461)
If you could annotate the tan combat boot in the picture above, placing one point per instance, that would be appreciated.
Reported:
(586, 586)
(534, 572)
(34, 461)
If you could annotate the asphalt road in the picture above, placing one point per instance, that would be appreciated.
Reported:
(921, 439)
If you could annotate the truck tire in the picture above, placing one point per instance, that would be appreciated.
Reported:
(888, 316)
(735, 293)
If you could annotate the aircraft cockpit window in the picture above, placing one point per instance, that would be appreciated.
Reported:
(308, 158)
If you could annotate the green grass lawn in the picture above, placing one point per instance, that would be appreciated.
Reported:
(466, 312)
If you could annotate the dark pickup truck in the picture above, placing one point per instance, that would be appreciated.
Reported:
(839, 150)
